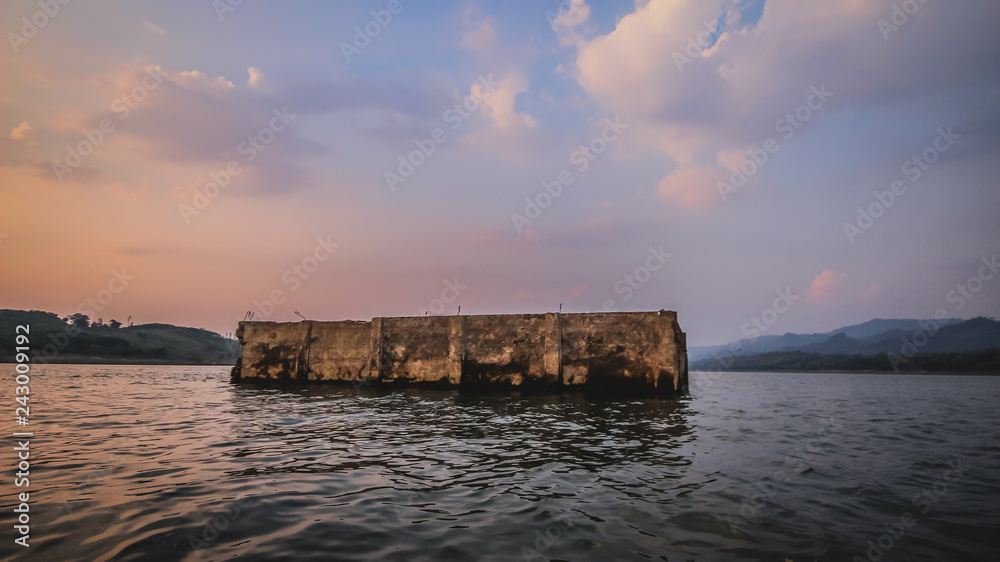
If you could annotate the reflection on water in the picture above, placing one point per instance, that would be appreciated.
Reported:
(175, 463)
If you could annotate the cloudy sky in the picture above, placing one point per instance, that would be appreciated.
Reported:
(186, 162)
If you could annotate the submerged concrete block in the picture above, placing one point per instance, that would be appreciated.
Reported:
(638, 353)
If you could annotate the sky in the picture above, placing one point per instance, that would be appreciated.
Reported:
(809, 164)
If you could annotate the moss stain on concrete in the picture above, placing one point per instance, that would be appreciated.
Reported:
(634, 353)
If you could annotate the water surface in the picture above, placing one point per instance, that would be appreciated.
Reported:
(176, 463)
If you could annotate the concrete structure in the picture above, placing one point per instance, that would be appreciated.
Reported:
(642, 353)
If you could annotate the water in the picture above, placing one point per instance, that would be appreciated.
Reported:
(174, 463)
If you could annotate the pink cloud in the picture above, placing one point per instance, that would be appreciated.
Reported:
(823, 285)
(691, 186)
(871, 292)
(24, 133)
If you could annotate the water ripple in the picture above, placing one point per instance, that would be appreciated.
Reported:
(175, 463)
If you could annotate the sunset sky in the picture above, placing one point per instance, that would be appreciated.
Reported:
(408, 143)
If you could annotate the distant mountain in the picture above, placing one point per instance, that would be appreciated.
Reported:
(881, 326)
(971, 362)
(57, 341)
(762, 344)
(958, 346)
(858, 339)
(976, 334)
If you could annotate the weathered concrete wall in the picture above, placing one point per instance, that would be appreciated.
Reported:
(420, 350)
(338, 351)
(635, 352)
(509, 351)
(276, 351)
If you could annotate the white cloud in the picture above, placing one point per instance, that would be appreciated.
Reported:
(730, 95)
(155, 29)
(499, 106)
(481, 34)
(199, 81)
(257, 79)
(509, 132)
(566, 22)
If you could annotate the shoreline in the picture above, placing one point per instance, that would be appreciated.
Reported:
(842, 372)
(122, 363)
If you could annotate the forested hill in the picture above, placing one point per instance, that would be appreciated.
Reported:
(75, 339)
(922, 346)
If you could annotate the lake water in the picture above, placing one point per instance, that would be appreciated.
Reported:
(175, 463)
